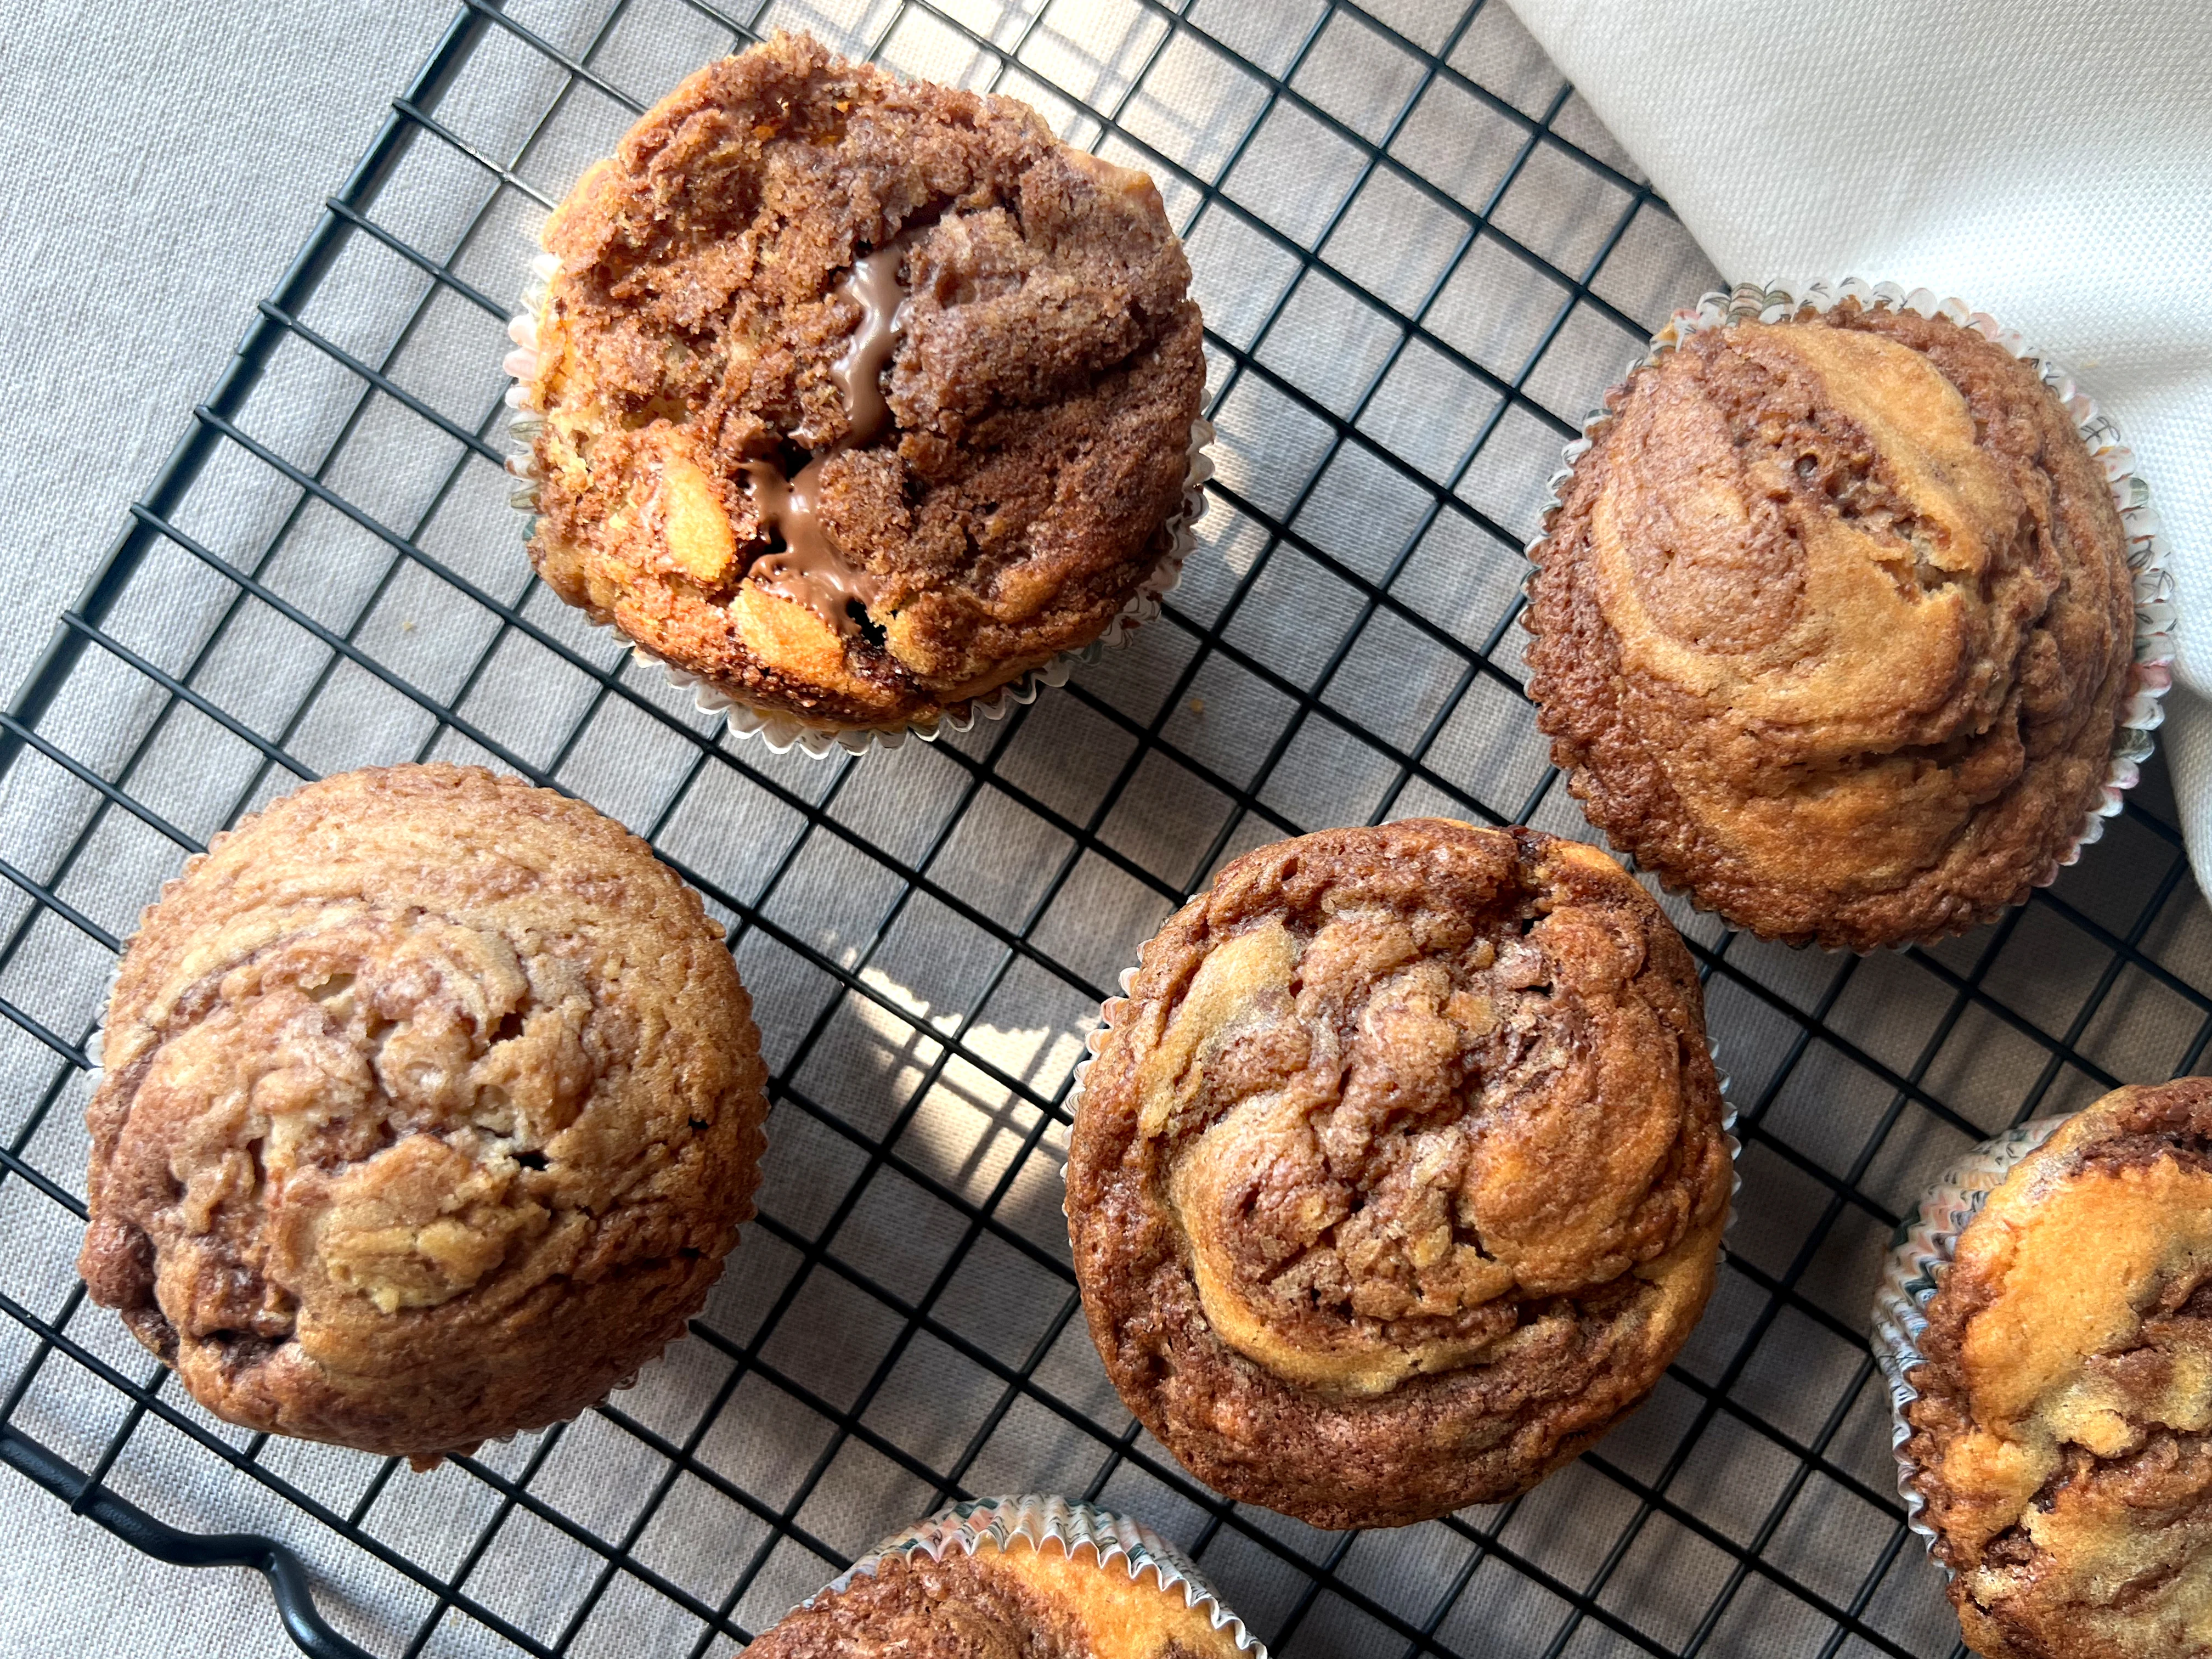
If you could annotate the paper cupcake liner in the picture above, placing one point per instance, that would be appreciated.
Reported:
(1116, 1543)
(780, 728)
(95, 1043)
(1920, 1256)
(2152, 672)
(1113, 1008)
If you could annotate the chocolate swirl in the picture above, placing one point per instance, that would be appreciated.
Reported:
(1833, 625)
(1401, 1173)
(1020, 1602)
(432, 1105)
(2063, 1431)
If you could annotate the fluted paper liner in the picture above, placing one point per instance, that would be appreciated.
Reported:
(2141, 710)
(1921, 1253)
(780, 728)
(1117, 1543)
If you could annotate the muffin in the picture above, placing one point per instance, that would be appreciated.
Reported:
(1015, 1578)
(2056, 1410)
(1400, 1175)
(1834, 624)
(857, 399)
(431, 1105)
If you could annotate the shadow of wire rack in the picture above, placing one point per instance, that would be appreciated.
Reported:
(1420, 259)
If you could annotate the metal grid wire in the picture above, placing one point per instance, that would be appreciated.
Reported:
(1421, 261)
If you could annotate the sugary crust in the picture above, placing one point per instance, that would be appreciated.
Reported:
(2063, 1434)
(432, 1103)
(1020, 1603)
(1832, 626)
(1401, 1175)
(1040, 394)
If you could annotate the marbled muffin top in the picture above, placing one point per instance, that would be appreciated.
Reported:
(1020, 1602)
(2063, 1433)
(432, 1104)
(1833, 625)
(1401, 1175)
(862, 397)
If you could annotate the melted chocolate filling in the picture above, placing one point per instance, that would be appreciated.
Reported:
(811, 568)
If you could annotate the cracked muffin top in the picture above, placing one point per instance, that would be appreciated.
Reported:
(1400, 1176)
(2063, 1434)
(860, 397)
(431, 1105)
(1833, 625)
(1020, 1602)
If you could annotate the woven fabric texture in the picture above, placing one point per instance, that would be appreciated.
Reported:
(159, 166)
(1422, 259)
(2048, 162)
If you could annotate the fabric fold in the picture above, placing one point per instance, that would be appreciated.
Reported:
(2049, 163)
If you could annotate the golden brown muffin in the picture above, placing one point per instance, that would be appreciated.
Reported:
(2063, 1431)
(432, 1104)
(862, 397)
(1833, 625)
(1401, 1175)
(1016, 1602)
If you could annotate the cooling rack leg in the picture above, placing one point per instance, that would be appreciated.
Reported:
(286, 1576)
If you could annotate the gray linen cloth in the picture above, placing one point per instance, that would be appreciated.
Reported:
(927, 1047)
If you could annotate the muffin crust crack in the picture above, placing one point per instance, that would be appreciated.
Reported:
(727, 473)
(1402, 1166)
(432, 1106)
(2064, 1430)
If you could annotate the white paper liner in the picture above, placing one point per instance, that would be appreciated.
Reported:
(1117, 1543)
(1920, 1257)
(781, 729)
(95, 1044)
(2141, 711)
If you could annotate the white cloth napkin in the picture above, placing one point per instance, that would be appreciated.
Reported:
(2048, 161)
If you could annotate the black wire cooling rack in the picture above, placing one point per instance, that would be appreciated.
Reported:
(1421, 261)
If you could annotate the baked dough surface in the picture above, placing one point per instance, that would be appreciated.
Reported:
(1021, 1602)
(1833, 625)
(432, 1103)
(1401, 1175)
(2064, 1428)
(862, 397)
